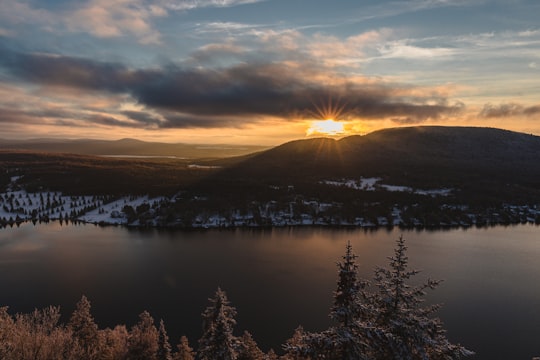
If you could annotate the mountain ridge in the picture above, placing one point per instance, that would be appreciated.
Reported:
(433, 146)
(487, 165)
(129, 147)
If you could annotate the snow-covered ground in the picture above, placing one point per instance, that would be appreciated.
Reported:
(372, 184)
(367, 184)
(19, 205)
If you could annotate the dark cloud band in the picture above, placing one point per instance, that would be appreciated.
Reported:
(195, 97)
(507, 110)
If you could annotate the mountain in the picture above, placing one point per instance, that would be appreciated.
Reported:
(129, 147)
(476, 160)
(480, 165)
(439, 151)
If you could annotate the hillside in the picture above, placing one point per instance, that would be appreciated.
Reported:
(92, 175)
(476, 160)
(129, 147)
(446, 153)
(418, 176)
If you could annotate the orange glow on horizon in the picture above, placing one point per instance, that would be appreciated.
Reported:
(330, 114)
(326, 127)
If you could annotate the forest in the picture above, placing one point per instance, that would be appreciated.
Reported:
(382, 318)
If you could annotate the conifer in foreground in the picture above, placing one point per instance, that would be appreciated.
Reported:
(400, 326)
(385, 321)
(217, 341)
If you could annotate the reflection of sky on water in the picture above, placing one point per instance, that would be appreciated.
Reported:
(277, 278)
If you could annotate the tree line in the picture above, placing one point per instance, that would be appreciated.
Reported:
(384, 318)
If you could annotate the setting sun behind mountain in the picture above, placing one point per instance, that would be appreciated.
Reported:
(325, 127)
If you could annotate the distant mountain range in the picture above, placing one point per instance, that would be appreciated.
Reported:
(129, 147)
(418, 176)
(480, 163)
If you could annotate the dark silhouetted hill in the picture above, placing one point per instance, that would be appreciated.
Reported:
(475, 160)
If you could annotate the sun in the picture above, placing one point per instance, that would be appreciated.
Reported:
(330, 112)
(325, 127)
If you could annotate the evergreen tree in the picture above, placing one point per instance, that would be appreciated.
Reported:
(185, 352)
(143, 339)
(271, 355)
(345, 308)
(217, 341)
(248, 348)
(115, 343)
(399, 326)
(346, 344)
(385, 322)
(164, 347)
(296, 347)
(84, 329)
(342, 341)
(7, 331)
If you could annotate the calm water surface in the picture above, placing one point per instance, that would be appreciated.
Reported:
(277, 279)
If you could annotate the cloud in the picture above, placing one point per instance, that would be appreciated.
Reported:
(100, 18)
(217, 53)
(508, 110)
(186, 97)
(6, 32)
(353, 49)
(19, 12)
(403, 50)
(183, 5)
(224, 27)
(394, 8)
(104, 18)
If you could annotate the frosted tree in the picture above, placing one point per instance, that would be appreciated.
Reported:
(115, 343)
(185, 352)
(217, 341)
(143, 339)
(7, 331)
(248, 348)
(84, 329)
(37, 335)
(399, 326)
(341, 341)
(347, 311)
(271, 355)
(385, 321)
(164, 347)
(296, 347)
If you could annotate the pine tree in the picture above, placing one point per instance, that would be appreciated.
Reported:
(185, 352)
(346, 311)
(217, 341)
(7, 331)
(115, 343)
(271, 355)
(84, 329)
(384, 322)
(248, 348)
(345, 308)
(295, 347)
(143, 339)
(341, 341)
(399, 326)
(164, 347)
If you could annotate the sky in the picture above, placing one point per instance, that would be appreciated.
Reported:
(264, 71)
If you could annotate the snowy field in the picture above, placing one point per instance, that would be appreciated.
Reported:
(373, 184)
(17, 205)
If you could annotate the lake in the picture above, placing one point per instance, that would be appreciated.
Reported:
(276, 278)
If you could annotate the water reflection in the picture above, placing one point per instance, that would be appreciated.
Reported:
(277, 278)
